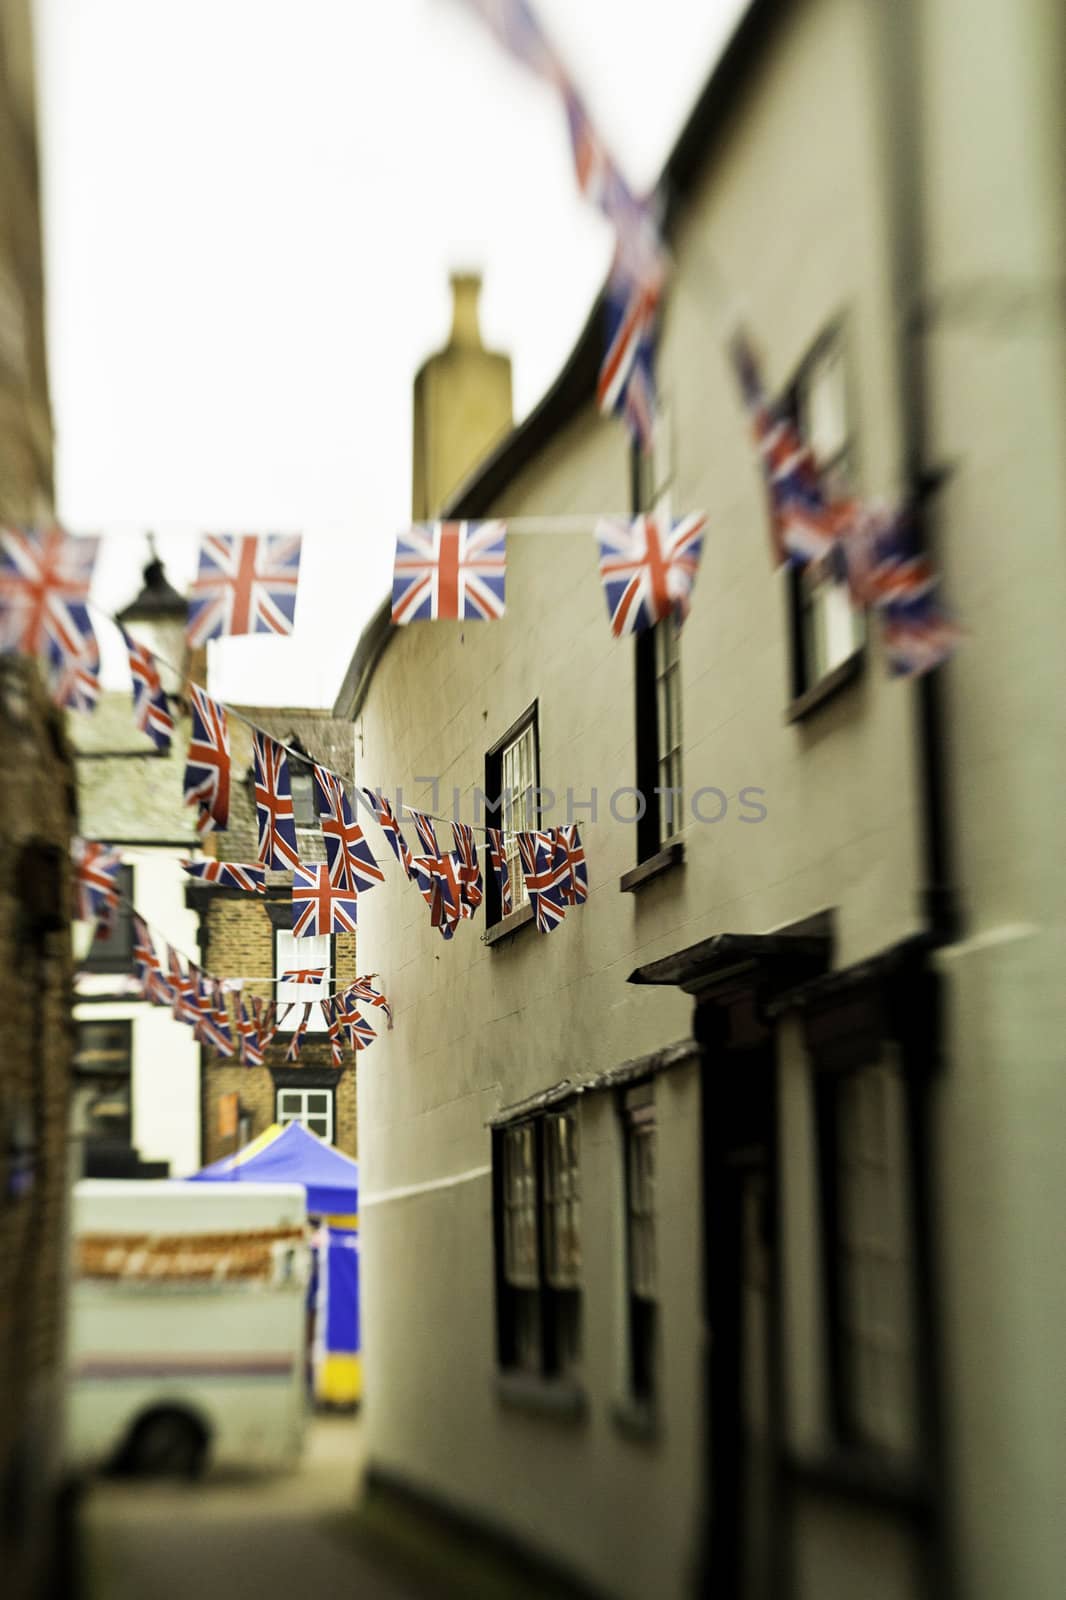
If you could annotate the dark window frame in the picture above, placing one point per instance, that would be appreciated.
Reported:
(87, 1076)
(638, 1117)
(556, 1312)
(809, 690)
(115, 953)
(308, 1085)
(530, 717)
(829, 1079)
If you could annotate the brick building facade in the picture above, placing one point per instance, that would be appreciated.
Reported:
(247, 936)
(36, 822)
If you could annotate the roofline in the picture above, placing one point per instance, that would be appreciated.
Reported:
(576, 382)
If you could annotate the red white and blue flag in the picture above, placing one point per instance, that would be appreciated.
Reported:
(248, 1035)
(303, 975)
(250, 877)
(246, 583)
(44, 596)
(293, 1052)
(449, 570)
(544, 877)
(363, 989)
(273, 804)
(145, 959)
(437, 877)
(74, 680)
(151, 713)
(471, 888)
(359, 1032)
(333, 1029)
(626, 383)
(207, 762)
(806, 520)
(569, 858)
(518, 31)
(318, 907)
(351, 865)
(96, 882)
(648, 567)
(385, 815)
(501, 867)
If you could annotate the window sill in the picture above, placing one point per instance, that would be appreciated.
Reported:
(849, 671)
(544, 1397)
(866, 1478)
(636, 1419)
(671, 855)
(508, 926)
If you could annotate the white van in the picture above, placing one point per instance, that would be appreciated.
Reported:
(188, 1324)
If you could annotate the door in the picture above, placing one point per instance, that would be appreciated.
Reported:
(743, 1555)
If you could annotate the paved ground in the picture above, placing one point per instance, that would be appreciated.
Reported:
(292, 1536)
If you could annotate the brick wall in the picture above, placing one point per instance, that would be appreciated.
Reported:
(238, 939)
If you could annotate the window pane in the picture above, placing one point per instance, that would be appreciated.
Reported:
(874, 1307)
(318, 1125)
(520, 1207)
(824, 412)
(291, 955)
(562, 1218)
(317, 1102)
(517, 779)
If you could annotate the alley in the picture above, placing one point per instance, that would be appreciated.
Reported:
(240, 1536)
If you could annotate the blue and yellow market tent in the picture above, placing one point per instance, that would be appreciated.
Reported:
(293, 1155)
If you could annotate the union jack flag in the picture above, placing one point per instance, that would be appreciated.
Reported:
(293, 1052)
(351, 865)
(145, 959)
(246, 584)
(266, 1020)
(75, 679)
(918, 636)
(390, 826)
(248, 1035)
(96, 882)
(229, 874)
(318, 907)
(626, 384)
(569, 859)
(207, 762)
(151, 712)
(806, 520)
(363, 989)
(648, 568)
(184, 988)
(333, 1029)
(437, 877)
(544, 878)
(471, 889)
(449, 570)
(303, 975)
(358, 1031)
(44, 593)
(502, 870)
(273, 804)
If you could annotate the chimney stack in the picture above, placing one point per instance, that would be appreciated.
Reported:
(462, 405)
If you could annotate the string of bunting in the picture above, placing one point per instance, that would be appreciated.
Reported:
(166, 977)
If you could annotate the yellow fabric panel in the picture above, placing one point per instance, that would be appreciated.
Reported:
(349, 1223)
(260, 1142)
(339, 1379)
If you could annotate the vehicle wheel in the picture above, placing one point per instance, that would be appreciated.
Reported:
(166, 1444)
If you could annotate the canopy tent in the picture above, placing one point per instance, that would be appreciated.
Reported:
(292, 1155)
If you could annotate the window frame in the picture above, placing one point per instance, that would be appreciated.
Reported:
(539, 1326)
(84, 1077)
(637, 1112)
(844, 1418)
(281, 1090)
(113, 958)
(494, 759)
(316, 1024)
(809, 687)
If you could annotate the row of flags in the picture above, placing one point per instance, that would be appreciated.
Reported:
(245, 583)
(554, 869)
(626, 385)
(455, 571)
(871, 549)
(166, 978)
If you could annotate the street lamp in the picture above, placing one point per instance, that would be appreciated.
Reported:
(157, 618)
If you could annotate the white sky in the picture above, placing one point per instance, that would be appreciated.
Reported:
(252, 208)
